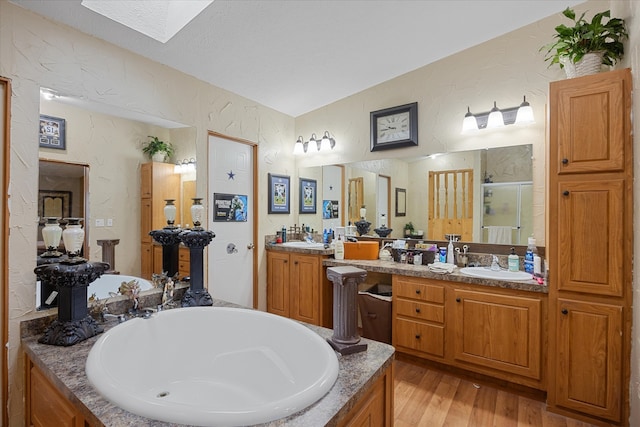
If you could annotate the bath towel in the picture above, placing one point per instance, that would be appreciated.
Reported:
(499, 234)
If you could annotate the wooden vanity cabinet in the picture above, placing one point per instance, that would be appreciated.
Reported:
(590, 259)
(45, 405)
(158, 182)
(491, 331)
(375, 408)
(297, 287)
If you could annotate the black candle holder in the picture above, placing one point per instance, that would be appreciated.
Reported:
(363, 226)
(196, 240)
(71, 277)
(169, 238)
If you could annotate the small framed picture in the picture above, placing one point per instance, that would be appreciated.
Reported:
(401, 202)
(308, 195)
(52, 132)
(279, 189)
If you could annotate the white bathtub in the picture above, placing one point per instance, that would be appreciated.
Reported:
(111, 283)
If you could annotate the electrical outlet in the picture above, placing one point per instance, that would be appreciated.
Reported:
(100, 222)
(109, 222)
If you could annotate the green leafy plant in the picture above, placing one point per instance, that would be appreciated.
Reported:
(587, 37)
(409, 226)
(155, 145)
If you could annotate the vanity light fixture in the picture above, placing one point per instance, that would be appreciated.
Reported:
(496, 117)
(314, 145)
(185, 166)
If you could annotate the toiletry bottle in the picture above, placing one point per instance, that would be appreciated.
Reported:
(532, 251)
(514, 261)
(325, 237)
(338, 252)
(443, 254)
(537, 265)
(284, 234)
(450, 253)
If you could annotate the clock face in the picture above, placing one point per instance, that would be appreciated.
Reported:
(394, 127)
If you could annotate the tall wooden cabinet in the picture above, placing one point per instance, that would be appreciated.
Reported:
(157, 183)
(591, 254)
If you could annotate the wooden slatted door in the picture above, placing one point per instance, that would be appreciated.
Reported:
(451, 204)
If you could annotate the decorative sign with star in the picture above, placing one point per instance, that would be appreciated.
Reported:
(230, 207)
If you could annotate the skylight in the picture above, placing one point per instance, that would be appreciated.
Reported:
(158, 19)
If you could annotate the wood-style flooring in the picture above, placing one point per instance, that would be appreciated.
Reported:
(428, 397)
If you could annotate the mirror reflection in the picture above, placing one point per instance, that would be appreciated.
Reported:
(483, 196)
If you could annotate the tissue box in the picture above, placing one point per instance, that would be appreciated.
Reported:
(361, 250)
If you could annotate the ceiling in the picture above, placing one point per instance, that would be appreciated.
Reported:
(297, 56)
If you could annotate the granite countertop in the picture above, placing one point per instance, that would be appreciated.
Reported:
(391, 267)
(278, 247)
(64, 367)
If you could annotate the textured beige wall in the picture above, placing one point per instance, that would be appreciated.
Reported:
(34, 53)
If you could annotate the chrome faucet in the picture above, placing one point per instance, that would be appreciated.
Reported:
(105, 316)
(494, 263)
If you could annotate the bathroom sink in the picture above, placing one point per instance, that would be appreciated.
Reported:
(212, 366)
(487, 273)
(307, 245)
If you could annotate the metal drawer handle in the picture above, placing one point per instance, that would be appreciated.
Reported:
(565, 193)
(418, 336)
(565, 161)
(564, 311)
(417, 291)
(458, 300)
(417, 310)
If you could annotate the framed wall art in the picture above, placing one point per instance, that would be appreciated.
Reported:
(54, 204)
(401, 202)
(230, 207)
(279, 194)
(53, 132)
(394, 127)
(308, 195)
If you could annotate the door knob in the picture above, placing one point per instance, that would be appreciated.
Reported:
(250, 246)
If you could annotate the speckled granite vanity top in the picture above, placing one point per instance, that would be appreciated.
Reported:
(64, 367)
(392, 267)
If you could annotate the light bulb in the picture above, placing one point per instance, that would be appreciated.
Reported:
(495, 118)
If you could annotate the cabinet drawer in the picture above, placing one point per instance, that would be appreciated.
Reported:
(423, 337)
(418, 289)
(419, 310)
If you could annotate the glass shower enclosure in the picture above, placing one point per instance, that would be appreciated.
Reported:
(507, 212)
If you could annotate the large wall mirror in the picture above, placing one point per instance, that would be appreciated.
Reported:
(484, 196)
(108, 142)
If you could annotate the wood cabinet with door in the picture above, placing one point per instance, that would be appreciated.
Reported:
(590, 213)
(158, 182)
(297, 287)
(491, 331)
(45, 405)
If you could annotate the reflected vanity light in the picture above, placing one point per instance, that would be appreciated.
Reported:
(185, 166)
(496, 117)
(315, 144)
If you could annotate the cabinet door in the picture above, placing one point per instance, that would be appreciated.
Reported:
(305, 288)
(590, 235)
(590, 122)
(47, 406)
(145, 221)
(157, 259)
(146, 261)
(498, 331)
(146, 180)
(184, 261)
(587, 364)
(278, 283)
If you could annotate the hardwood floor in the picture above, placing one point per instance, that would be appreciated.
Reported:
(427, 397)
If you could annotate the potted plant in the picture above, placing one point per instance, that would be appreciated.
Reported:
(158, 150)
(582, 48)
(408, 229)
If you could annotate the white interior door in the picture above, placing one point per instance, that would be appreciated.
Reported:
(230, 257)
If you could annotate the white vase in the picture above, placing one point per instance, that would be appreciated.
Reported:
(170, 211)
(51, 234)
(197, 211)
(159, 157)
(73, 236)
(590, 63)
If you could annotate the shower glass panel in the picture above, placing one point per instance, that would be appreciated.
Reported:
(502, 208)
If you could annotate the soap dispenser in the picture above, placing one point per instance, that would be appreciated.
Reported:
(514, 261)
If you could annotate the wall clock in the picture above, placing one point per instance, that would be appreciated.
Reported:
(394, 127)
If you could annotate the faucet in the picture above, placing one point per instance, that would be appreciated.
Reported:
(105, 315)
(494, 263)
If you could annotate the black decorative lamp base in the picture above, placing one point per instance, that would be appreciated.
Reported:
(363, 226)
(71, 276)
(196, 240)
